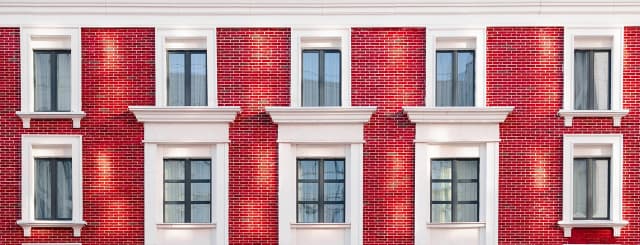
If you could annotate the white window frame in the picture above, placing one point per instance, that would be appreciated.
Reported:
(593, 143)
(68, 146)
(455, 37)
(591, 38)
(49, 38)
(319, 39)
(185, 39)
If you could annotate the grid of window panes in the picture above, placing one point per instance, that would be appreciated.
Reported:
(187, 78)
(455, 78)
(591, 188)
(53, 192)
(321, 72)
(52, 75)
(187, 191)
(592, 76)
(320, 191)
(454, 190)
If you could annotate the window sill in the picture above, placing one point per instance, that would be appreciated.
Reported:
(615, 225)
(324, 226)
(457, 225)
(616, 115)
(75, 225)
(421, 114)
(185, 114)
(27, 116)
(186, 226)
(321, 114)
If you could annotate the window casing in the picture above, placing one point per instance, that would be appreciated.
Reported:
(592, 79)
(455, 78)
(187, 77)
(320, 190)
(455, 190)
(321, 77)
(187, 191)
(591, 188)
(53, 192)
(52, 80)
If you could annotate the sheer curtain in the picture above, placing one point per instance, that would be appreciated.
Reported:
(43, 82)
(64, 203)
(444, 79)
(64, 82)
(465, 78)
(581, 80)
(176, 89)
(198, 79)
(601, 188)
(331, 79)
(580, 188)
(601, 80)
(310, 79)
(43, 189)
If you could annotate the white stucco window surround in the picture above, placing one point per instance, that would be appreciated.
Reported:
(51, 146)
(34, 38)
(593, 145)
(185, 132)
(460, 132)
(168, 39)
(456, 39)
(593, 38)
(331, 132)
(320, 38)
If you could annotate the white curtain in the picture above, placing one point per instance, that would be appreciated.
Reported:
(581, 80)
(464, 86)
(444, 79)
(600, 188)
(310, 79)
(43, 82)
(43, 190)
(176, 90)
(579, 188)
(601, 80)
(64, 82)
(65, 205)
(331, 79)
(198, 79)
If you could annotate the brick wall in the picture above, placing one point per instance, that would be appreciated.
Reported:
(388, 72)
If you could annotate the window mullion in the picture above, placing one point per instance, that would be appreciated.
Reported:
(454, 77)
(53, 69)
(187, 78)
(454, 189)
(589, 189)
(321, 191)
(591, 83)
(321, 78)
(187, 192)
(54, 188)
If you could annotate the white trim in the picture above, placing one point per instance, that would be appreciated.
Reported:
(320, 226)
(51, 146)
(297, 43)
(186, 226)
(478, 35)
(171, 39)
(185, 114)
(462, 225)
(616, 35)
(615, 141)
(360, 114)
(49, 38)
(465, 115)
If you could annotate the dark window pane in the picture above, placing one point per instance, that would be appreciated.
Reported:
(331, 79)
(440, 191)
(464, 83)
(307, 213)
(334, 213)
(43, 81)
(43, 190)
(444, 79)
(53, 194)
(200, 191)
(334, 170)
(454, 190)
(592, 89)
(200, 170)
(308, 169)
(187, 190)
(308, 192)
(334, 191)
(321, 198)
(591, 189)
(440, 169)
(310, 78)
(174, 169)
(467, 169)
(174, 213)
(174, 191)
(200, 213)
(177, 79)
(198, 79)
(466, 213)
(441, 213)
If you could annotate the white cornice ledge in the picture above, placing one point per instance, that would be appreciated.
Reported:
(27, 116)
(27, 225)
(570, 114)
(420, 114)
(615, 225)
(185, 114)
(321, 115)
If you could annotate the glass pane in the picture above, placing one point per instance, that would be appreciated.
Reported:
(440, 191)
(467, 169)
(310, 78)
(200, 213)
(43, 189)
(579, 189)
(601, 80)
(307, 213)
(581, 71)
(308, 169)
(200, 170)
(440, 213)
(174, 191)
(200, 191)
(331, 79)
(334, 213)
(65, 205)
(64, 82)
(176, 90)
(466, 213)
(43, 81)
(174, 213)
(440, 169)
(308, 192)
(173, 169)
(333, 170)
(600, 188)
(334, 191)
(444, 79)
(198, 79)
(467, 192)
(465, 77)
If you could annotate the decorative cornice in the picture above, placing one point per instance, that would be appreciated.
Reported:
(320, 115)
(27, 116)
(185, 114)
(570, 114)
(419, 114)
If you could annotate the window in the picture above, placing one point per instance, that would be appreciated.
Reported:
(321, 191)
(591, 188)
(592, 79)
(52, 80)
(187, 191)
(187, 78)
(53, 193)
(455, 78)
(321, 78)
(454, 190)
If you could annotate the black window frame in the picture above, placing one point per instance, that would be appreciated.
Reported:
(321, 181)
(321, 55)
(53, 179)
(187, 189)
(589, 186)
(53, 69)
(591, 94)
(187, 73)
(454, 76)
(454, 194)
